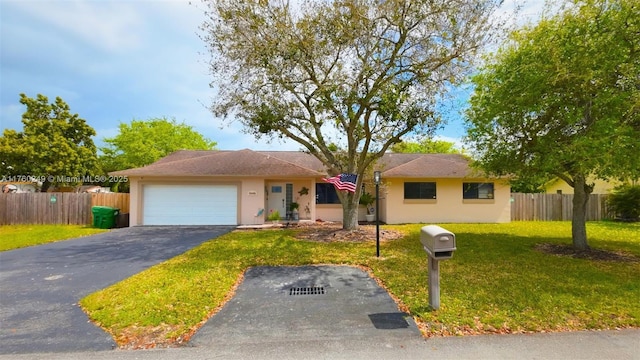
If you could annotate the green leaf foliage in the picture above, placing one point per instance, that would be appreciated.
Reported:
(346, 79)
(426, 146)
(142, 142)
(625, 202)
(561, 99)
(53, 142)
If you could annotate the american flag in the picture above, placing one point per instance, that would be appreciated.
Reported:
(344, 182)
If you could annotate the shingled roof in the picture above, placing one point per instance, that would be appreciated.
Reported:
(294, 164)
(221, 163)
(426, 166)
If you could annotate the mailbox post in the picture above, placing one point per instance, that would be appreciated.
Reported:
(439, 244)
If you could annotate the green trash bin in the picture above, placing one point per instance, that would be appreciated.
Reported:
(104, 217)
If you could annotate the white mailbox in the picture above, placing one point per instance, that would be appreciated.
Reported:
(438, 242)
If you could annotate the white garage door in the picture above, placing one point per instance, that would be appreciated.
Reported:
(190, 205)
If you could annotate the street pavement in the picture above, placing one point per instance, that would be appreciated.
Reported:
(584, 345)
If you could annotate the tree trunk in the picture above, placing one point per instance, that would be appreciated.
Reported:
(350, 212)
(581, 193)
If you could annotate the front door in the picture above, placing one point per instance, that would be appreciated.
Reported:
(277, 199)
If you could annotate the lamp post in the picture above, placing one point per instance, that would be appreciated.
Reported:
(376, 179)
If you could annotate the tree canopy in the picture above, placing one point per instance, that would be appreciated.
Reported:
(142, 142)
(53, 147)
(562, 98)
(346, 79)
(427, 146)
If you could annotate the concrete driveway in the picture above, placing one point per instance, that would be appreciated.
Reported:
(40, 286)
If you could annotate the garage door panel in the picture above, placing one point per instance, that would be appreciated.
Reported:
(190, 205)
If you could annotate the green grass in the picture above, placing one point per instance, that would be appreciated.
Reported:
(496, 281)
(19, 236)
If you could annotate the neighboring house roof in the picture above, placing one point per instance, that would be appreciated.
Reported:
(294, 164)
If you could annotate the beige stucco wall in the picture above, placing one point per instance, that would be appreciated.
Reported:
(251, 195)
(449, 205)
(601, 186)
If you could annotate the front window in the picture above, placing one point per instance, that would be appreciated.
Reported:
(477, 190)
(326, 194)
(419, 190)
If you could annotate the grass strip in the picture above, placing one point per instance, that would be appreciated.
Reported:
(19, 236)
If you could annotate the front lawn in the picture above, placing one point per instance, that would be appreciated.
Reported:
(497, 281)
(18, 236)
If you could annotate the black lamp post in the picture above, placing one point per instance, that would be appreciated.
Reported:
(376, 179)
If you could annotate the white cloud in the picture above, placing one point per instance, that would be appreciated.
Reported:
(113, 26)
(114, 61)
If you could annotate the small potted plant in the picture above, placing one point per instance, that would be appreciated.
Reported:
(274, 216)
(294, 210)
(367, 200)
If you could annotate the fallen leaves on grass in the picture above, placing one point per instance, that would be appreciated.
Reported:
(148, 337)
(589, 254)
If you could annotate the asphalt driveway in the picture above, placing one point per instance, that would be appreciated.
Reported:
(305, 304)
(40, 286)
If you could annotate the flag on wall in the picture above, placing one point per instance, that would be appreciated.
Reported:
(343, 182)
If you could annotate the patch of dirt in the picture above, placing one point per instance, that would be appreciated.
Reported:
(589, 254)
(148, 337)
(333, 232)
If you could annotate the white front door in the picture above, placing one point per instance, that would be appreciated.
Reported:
(276, 199)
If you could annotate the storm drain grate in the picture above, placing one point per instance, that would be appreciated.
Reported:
(312, 290)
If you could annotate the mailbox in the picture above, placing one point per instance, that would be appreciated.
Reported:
(439, 243)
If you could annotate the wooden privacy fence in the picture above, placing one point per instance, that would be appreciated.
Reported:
(75, 208)
(555, 207)
(56, 208)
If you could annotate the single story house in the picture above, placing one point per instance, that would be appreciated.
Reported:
(243, 187)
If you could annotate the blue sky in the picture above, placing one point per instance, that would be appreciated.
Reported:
(114, 61)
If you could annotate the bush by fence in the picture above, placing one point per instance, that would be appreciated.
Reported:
(555, 207)
(56, 208)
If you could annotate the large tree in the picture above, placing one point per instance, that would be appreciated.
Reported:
(346, 79)
(562, 98)
(142, 142)
(54, 146)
